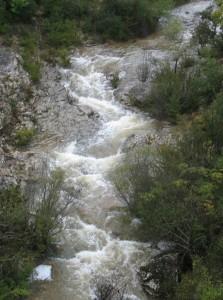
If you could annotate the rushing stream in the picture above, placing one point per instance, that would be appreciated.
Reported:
(89, 241)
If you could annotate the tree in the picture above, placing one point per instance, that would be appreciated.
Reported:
(29, 225)
(23, 9)
(176, 190)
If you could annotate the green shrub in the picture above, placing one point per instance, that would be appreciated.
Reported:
(62, 33)
(48, 213)
(185, 89)
(112, 27)
(28, 226)
(15, 260)
(176, 192)
(199, 285)
(166, 92)
(24, 136)
(66, 9)
(206, 34)
(62, 57)
(33, 68)
(30, 54)
(23, 9)
(120, 20)
(4, 25)
(173, 29)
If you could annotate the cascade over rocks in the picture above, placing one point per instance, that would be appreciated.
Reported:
(46, 108)
(90, 144)
(58, 111)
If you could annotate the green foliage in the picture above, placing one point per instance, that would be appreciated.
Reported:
(52, 27)
(208, 33)
(176, 191)
(4, 26)
(47, 214)
(191, 84)
(218, 14)
(24, 136)
(199, 285)
(63, 57)
(28, 226)
(120, 20)
(62, 33)
(30, 55)
(18, 5)
(15, 260)
(23, 9)
(164, 99)
(184, 89)
(67, 9)
(33, 68)
(173, 29)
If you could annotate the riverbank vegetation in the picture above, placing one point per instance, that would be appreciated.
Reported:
(47, 30)
(176, 190)
(29, 223)
(192, 81)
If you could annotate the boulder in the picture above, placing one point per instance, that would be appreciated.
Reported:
(134, 141)
(160, 275)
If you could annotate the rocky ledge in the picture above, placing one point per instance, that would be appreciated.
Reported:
(46, 109)
(58, 112)
(16, 107)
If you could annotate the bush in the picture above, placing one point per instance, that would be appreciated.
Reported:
(30, 54)
(164, 99)
(48, 211)
(62, 33)
(23, 9)
(199, 285)
(173, 29)
(28, 226)
(183, 90)
(120, 20)
(176, 192)
(62, 57)
(4, 26)
(15, 260)
(24, 136)
(206, 33)
(33, 68)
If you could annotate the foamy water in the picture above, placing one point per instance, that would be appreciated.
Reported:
(89, 245)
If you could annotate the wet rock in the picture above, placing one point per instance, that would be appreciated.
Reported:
(165, 246)
(134, 141)
(129, 144)
(9, 61)
(160, 275)
(71, 99)
(89, 112)
(16, 112)
(58, 112)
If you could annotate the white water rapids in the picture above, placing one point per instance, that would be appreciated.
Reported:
(89, 243)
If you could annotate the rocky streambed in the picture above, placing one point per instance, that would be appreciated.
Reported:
(85, 125)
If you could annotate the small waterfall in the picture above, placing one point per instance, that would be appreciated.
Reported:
(89, 245)
(88, 241)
